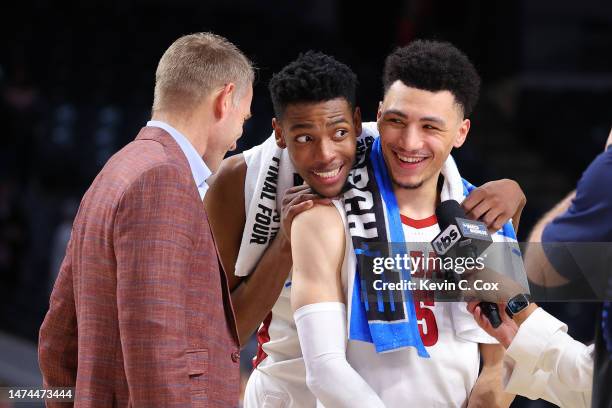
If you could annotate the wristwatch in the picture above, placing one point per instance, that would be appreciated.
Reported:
(517, 304)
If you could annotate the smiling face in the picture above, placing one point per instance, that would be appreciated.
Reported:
(321, 139)
(418, 129)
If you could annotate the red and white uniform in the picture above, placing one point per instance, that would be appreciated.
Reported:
(400, 377)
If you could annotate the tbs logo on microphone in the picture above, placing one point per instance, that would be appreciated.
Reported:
(462, 235)
(446, 240)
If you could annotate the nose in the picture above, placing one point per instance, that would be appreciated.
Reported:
(325, 152)
(412, 138)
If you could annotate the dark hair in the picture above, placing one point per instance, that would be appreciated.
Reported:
(312, 77)
(434, 66)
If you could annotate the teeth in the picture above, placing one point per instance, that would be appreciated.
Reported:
(327, 174)
(407, 159)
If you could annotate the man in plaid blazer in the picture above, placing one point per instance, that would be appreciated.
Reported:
(140, 315)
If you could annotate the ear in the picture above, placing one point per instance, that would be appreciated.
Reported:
(224, 99)
(462, 134)
(379, 115)
(278, 134)
(357, 121)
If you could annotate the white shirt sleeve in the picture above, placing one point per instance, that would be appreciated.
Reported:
(543, 361)
(322, 331)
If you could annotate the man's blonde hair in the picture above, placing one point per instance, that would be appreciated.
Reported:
(194, 66)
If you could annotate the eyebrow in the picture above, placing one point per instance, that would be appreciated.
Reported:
(401, 114)
(434, 119)
(395, 112)
(306, 125)
(336, 122)
(301, 126)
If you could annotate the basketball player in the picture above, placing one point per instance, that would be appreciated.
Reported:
(430, 90)
(318, 122)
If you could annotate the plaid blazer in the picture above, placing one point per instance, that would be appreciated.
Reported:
(140, 314)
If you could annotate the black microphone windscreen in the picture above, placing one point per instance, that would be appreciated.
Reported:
(447, 211)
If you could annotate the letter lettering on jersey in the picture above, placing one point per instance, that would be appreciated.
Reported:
(269, 187)
(261, 233)
(361, 221)
(268, 191)
(358, 225)
(258, 239)
(264, 209)
(262, 219)
(259, 229)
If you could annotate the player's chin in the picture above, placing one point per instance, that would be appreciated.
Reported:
(330, 186)
(326, 190)
(410, 182)
(329, 190)
(410, 179)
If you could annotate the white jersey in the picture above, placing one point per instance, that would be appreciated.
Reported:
(400, 377)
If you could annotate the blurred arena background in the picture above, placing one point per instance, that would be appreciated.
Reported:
(76, 84)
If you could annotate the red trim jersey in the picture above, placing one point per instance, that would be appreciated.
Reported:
(401, 378)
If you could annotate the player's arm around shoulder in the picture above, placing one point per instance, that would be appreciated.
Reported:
(224, 203)
(488, 391)
(317, 246)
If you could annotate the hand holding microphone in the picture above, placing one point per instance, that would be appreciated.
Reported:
(504, 332)
(460, 237)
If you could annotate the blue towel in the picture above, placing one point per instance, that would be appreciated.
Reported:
(387, 318)
(381, 318)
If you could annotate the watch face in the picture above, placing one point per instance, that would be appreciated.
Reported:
(517, 304)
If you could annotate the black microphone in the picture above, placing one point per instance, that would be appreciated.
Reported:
(461, 237)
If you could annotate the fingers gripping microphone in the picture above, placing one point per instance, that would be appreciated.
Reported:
(461, 237)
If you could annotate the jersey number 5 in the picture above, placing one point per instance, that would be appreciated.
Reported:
(426, 319)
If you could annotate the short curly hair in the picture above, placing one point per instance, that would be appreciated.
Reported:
(434, 66)
(312, 77)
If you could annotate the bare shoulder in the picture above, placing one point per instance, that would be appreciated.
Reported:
(319, 228)
(232, 170)
(224, 203)
(226, 188)
(317, 247)
(319, 220)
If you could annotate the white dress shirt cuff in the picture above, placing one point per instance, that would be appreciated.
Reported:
(532, 338)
